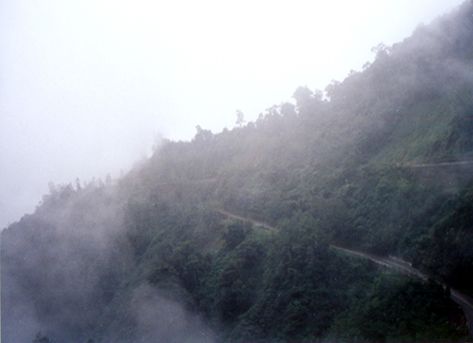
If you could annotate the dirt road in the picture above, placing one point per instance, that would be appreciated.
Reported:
(404, 267)
(439, 164)
(391, 262)
(245, 219)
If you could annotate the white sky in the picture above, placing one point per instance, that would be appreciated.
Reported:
(87, 85)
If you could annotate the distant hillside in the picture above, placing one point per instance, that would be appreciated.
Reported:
(227, 237)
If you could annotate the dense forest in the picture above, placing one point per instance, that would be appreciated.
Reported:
(229, 237)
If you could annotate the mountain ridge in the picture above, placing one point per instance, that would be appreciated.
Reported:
(99, 261)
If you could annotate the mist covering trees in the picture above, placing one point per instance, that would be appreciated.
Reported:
(152, 258)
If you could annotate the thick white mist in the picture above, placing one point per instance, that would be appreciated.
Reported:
(85, 86)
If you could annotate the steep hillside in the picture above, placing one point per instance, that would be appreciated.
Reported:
(227, 237)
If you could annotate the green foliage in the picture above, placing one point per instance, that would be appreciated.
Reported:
(353, 166)
(446, 248)
(399, 310)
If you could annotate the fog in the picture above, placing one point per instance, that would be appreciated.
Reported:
(167, 253)
(86, 258)
(160, 318)
(87, 87)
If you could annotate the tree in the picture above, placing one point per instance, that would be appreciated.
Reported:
(202, 134)
(303, 95)
(381, 50)
(78, 185)
(240, 118)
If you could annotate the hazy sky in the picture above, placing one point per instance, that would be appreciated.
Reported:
(86, 86)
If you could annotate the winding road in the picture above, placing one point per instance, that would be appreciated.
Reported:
(391, 262)
(438, 164)
(404, 267)
(245, 219)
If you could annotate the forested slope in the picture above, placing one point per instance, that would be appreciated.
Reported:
(153, 257)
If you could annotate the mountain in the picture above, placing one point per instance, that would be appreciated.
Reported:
(230, 237)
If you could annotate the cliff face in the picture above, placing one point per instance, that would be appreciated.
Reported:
(173, 251)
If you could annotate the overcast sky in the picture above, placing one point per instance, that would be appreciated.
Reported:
(86, 86)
